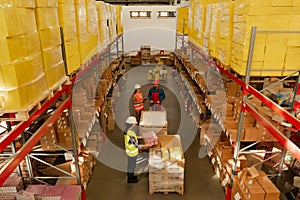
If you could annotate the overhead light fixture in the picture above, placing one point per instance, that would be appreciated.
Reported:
(143, 14)
(134, 14)
(163, 14)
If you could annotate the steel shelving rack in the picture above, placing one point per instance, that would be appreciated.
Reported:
(112, 51)
(247, 89)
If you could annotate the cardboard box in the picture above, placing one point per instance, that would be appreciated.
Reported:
(62, 134)
(270, 189)
(255, 194)
(251, 134)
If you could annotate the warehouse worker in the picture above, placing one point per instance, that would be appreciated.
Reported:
(156, 95)
(138, 102)
(132, 147)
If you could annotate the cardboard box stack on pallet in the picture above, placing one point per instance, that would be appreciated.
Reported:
(251, 184)
(50, 38)
(67, 19)
(59, 134)
(166, 165)
(145, 54)
(22, 77)
(252, 130)
(86, 166)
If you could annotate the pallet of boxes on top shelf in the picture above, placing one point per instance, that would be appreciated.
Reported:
(22, 78)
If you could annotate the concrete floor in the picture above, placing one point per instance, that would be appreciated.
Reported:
(108, 181)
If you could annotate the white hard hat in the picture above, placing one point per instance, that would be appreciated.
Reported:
(137, 86)
(131, 120)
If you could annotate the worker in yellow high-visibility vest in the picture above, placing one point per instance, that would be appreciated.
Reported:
(132, 147)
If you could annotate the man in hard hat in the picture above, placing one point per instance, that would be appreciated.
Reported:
(138, 102)
(156, 95)
(132, 147)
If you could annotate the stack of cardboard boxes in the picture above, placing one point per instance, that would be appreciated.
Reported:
(145, 54)
(251, 184)
(59, 134)
(166, 165)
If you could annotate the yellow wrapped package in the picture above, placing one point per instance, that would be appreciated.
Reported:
(55, 74)
(73, 62)
(46, 3)
(67, 19)
(19, 3)
(16, 21)
(52, 56)
(36, 90)
(46, 17)
(17, 47)
(50, 37)
(71, 47)
(23, 97)
(13, 99)
(22, 71)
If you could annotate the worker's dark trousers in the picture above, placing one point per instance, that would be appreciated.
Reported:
(131, 166)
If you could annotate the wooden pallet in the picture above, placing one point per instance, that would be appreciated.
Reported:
(26, 112)
(58, 86)
(180, 191)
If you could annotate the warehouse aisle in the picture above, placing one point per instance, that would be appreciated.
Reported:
(110, 184)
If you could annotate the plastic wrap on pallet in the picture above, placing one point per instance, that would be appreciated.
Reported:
(198, 18)
(46, 17)
(213, 43)
(270, 58)
(46, 3)
(18, 4)
(16, 21)
(86, 23)
(119, 21)
(190, 21)
(182, 20)
(23, 96)
(67, 19)
(207, 28)
(226, 31)
(28, 44)
(21, 71)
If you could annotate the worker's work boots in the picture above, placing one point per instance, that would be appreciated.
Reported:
(131, 178)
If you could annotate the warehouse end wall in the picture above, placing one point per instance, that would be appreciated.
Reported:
(159, 33)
